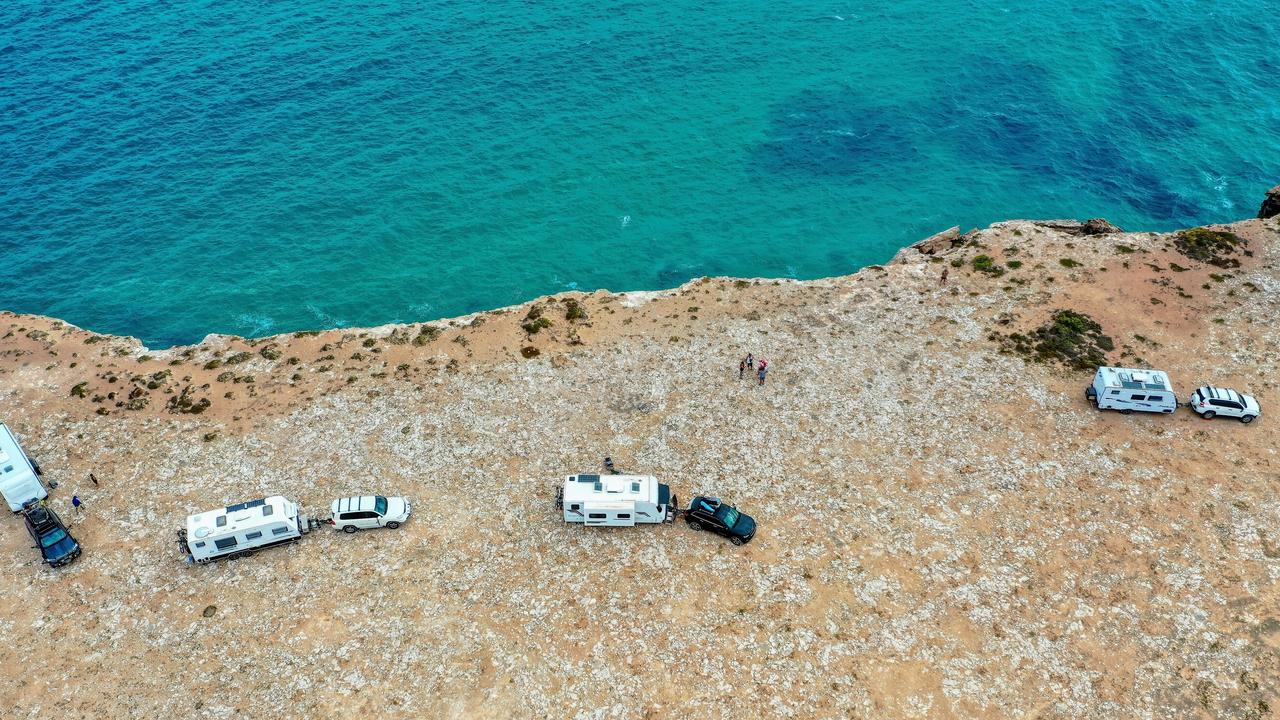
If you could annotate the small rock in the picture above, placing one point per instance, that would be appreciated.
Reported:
(1098, 226)
(210, 610)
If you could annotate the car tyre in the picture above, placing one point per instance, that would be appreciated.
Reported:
(393, 525)
(695, 525)
(735, 540)
(1126, 411)
(1208, 414)
(1246, 419)
(349, 529)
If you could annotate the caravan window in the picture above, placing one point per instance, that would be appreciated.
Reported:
(596, 516)
(200, 544)
(222, 521)
(635, 487)
(267, 510)
(624, 516)
(1137, 397)
(1114, 392)
(252, 536)
(225, 543)
(279, 530)
(574, 506)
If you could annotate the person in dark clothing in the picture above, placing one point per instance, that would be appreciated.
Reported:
(75, 503)
(742, 368)
(761, 374)
(608, 465)
(94, 479)
(751, 361)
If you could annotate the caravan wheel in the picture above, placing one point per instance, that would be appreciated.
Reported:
(1126, 411)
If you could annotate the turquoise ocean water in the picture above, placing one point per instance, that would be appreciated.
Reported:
(169, 169)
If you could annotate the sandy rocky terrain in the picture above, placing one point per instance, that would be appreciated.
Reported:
(948, 529)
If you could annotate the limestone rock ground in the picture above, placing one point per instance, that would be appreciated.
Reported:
(946, 531)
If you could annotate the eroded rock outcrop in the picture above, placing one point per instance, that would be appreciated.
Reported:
(1270, 206)
(1093, 226)
(931, 245)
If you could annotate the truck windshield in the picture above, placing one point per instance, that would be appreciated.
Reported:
(380, 505)
(53, 538)
(728, 515)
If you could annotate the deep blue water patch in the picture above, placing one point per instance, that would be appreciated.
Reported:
(171, 171)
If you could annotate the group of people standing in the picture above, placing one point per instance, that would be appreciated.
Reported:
(748, 364)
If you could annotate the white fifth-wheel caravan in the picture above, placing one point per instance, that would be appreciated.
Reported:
(19, 474)
(241, 529)
(615, 500)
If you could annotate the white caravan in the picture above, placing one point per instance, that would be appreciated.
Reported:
(241, 529)
(1127, 389)
(19, 474)
(615, 500)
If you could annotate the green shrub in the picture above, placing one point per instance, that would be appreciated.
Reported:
(426, 334)
(1069, 338)
(1013, 264)
(1068, 263)
(573, 310)
(1210, 246)
(533, 326)
(987, 264)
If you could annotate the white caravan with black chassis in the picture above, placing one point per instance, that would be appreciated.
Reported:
(19, 474)
(1128, 389)
(238, 530)
(615, 500)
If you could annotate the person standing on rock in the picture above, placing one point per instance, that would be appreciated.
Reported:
(943, 280)
(742, 368)
(751, 362)
(764, 364)
(762, 372)
(75, 503)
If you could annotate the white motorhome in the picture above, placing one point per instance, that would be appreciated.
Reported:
(19, 474)
(238, 530)
(615, 500)
(1128, 389)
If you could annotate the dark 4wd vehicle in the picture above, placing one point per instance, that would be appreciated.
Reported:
(50, 535)
(709, 513)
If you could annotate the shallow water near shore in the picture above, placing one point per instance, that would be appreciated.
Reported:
(170, 171)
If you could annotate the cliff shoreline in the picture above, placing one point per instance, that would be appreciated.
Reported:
(947, 528)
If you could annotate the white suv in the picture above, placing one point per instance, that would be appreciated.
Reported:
(1210, 401)
(369, 511)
